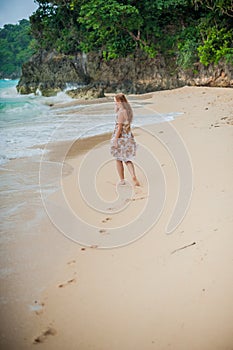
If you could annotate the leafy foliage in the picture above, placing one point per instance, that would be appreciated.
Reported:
(187, 43)
(121, 27)
(114, 26)
(16, 47)
(217, 36)
(183, 31)
(54, 25)
(224, 7)
(216, 46)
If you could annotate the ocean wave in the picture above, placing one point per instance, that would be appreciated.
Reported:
(29, 120)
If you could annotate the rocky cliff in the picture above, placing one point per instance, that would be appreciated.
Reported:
(50, 72)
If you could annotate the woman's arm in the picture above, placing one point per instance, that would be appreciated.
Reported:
(118, 133)
(120, 121)
(119, 130)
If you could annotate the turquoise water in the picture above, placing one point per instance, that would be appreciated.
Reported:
(24, 122)
(29, 120)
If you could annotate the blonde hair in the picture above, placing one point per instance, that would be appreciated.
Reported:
(125, 104)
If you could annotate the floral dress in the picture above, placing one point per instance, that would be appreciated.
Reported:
(126, 145)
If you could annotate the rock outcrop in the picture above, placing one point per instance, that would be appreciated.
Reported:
(87, 92)
(50, 72)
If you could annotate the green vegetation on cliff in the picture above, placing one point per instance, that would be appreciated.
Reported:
(16, 47)
(185, 31)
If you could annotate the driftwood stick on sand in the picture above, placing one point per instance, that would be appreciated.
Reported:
(186, 246)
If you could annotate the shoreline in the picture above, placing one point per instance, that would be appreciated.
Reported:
(65, 121)
(159, 290)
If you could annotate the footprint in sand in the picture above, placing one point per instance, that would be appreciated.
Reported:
(71, 281)
(72, 262)
(38, 307)
(104, 232)
(106, 220)
(94, 246)
(137, 198)
(49, 331)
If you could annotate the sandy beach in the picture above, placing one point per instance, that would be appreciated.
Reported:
(88, 264)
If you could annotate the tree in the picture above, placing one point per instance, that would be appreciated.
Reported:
(16, 47)
(54, 25)
(183, 30)
(225, 7)
(216, 31)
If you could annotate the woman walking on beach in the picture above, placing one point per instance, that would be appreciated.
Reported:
(123, 145)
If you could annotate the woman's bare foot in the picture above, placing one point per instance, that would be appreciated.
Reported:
(122, 182)
(135, 181)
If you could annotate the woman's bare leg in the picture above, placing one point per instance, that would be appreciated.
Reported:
(120, 169)
(131, 169)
